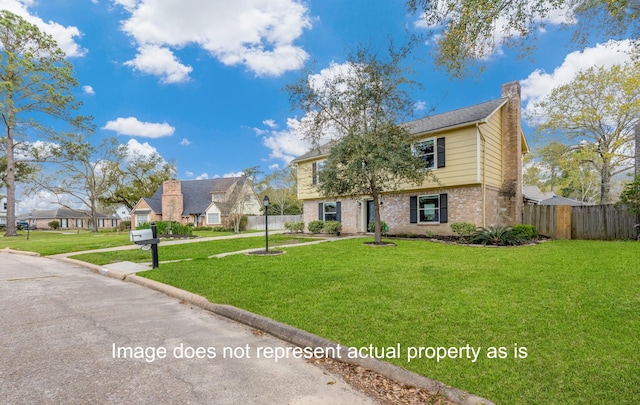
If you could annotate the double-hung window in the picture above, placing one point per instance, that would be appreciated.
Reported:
(426, 151)
(428, 209)
(142, 219)
(316, 167)
(330, 211)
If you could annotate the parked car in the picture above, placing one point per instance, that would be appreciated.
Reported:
(22, 224)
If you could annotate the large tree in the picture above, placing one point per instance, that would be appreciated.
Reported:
(600, 106)
(362, 103)
(36, 84)
(281, 187)
(84, 173)
(469, 28)
(141, 176)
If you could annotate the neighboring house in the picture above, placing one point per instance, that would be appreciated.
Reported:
(69, 219)
(476, 154)
(123, 213)
(533, 196)
(3, 210)
(202, 202)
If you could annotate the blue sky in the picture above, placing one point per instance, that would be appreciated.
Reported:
(201, 81)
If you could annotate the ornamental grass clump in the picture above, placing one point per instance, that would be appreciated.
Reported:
(498, 236)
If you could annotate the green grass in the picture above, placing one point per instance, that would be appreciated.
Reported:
(574, 305)
(54, 242)
(195, 250)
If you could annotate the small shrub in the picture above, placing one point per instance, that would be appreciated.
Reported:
(315, 226)
(219, 229)
(463, 230)
(294, 226)
(332, 227)
(527, 232)
(497, 235)
(124, 226)
(202, 228)
(54, 224)
(383, 226)
(429, 234)
(162, 228)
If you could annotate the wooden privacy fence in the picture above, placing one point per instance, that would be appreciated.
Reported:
(607, 222)
(275, 221)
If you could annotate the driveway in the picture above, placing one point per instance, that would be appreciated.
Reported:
(71, 336)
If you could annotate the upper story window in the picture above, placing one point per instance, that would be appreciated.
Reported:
(426, 151)
(316, 167)
(431, 151)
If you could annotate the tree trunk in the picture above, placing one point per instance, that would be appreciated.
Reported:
(376, 210)
(11, 186)
(605, 184)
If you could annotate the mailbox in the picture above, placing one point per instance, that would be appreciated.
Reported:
(142, 237)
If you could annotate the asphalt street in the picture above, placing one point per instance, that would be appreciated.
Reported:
(70, 336)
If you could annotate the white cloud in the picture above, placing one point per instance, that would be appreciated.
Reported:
(286, 144)
(64, 36)
(274, 166)
(270, 123)
(189, 174)
(233, 174)
(88, 90)
(185, 142)
(159, 61)
(540, 83)
(420, 106)
(258, 34)
(203, 176)
(46, 200)
(131, 126)
(136, 148)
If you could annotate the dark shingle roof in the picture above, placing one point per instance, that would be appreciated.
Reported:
(462, 116)
(468, 115)
(58, 213)
(196, 194)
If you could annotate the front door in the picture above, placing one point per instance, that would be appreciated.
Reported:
(371, 213)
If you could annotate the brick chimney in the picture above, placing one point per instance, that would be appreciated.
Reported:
(510, 209)
(172, 200)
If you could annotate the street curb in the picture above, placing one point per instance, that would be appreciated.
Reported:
(287, 333)
(303, 339)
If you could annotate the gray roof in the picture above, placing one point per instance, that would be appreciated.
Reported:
(196, 194)
(463, 116)
(468, 115)
(558, 200)
(58, 213)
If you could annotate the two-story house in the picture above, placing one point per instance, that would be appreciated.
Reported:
(476, 154)
(202, 202)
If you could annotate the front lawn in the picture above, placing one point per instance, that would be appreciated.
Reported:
(574, 306)
(55, 242)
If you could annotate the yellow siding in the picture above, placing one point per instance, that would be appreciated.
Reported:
(306, 190)
(461, 159)
(461, 146)
(493, 149)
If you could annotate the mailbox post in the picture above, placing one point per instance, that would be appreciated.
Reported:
(147, 237)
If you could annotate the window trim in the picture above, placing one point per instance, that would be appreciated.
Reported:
(443, 208)
(316, 167)
(209, 214)
(434, 140)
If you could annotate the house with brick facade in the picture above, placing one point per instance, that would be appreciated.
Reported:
(205, 202)
(69, 219)
(475, 153)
